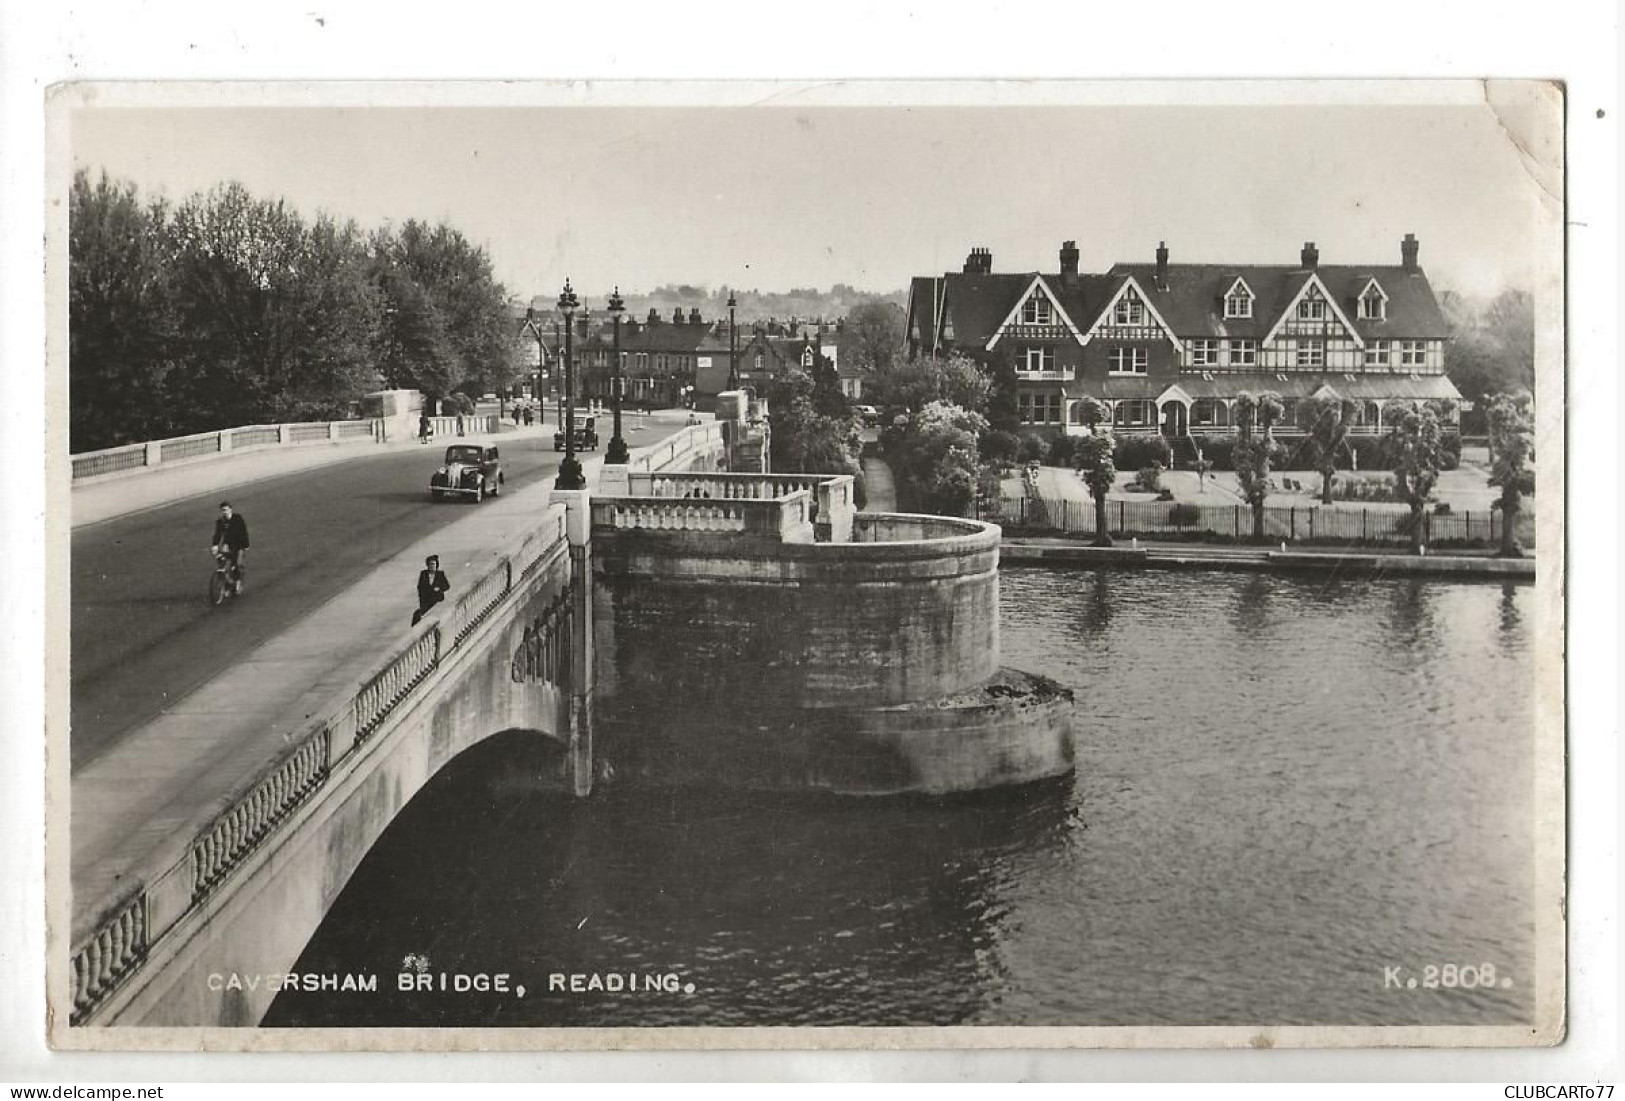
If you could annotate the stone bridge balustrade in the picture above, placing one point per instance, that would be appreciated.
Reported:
(512, 653)
(785, 519)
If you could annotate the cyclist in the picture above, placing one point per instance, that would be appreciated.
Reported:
(231, 539)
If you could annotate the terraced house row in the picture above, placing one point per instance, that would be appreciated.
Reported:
(1169, 347)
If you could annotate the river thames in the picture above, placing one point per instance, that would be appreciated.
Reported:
(1289, 793)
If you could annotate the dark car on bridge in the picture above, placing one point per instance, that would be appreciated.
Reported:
(586, 434)
(471, 470)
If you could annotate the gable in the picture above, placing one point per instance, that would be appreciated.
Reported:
(1104, 320)
(1012, 319)
(1319, 289)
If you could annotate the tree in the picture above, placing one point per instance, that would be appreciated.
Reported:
(873, 334)
(910, 385)
(1255, 451)
(1512, 444)
(804, 439)
(1493, 349)
(934, 455)
(450, 307)
(1328, 420)
(1092, 456)
(1003, 409)
(1416, 447)
(278, 319)
(120, 321)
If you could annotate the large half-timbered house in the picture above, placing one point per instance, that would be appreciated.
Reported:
(1169, 347)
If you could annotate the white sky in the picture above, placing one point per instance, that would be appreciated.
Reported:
(784, 195)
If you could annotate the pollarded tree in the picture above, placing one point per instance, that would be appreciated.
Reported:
(1328, 420)
(1092, 456)
(1254, 456)
(1512, 443)
(1416, 448)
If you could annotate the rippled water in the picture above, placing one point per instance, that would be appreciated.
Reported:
(1283, 786)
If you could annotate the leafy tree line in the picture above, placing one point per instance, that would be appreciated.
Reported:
(1492, 347)
(232, 309)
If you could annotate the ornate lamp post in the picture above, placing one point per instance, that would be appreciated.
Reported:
(733, 345)
(570, 476)
(617, 452)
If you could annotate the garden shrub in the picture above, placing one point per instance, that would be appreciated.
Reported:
(1061, 449)
(1138, 452)
(1148, 479)
(999, 446)
(1034, 448)
(1218, 450)
(1371, 452)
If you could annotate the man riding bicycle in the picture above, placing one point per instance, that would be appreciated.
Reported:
(231, 540)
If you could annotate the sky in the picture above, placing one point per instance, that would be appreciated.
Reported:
(793, 194)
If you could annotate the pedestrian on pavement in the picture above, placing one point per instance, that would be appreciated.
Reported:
(530, 416)
(432, 587)
(518, 412)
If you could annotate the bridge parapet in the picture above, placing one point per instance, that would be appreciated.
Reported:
(786, 519)
(832, 499)
(114, 935)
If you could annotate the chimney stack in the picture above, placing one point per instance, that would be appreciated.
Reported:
(694, 316)
(677, 315)
(1069, 261)
(1408, 248)
(979, 262)
(1162, 265)
(1310, 255)
(654, 317)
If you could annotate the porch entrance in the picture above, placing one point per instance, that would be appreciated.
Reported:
(1175, 419)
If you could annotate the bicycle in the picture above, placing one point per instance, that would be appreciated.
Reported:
(225, 582)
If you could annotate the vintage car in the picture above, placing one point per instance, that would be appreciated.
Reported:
(586, 433)
(471, 470)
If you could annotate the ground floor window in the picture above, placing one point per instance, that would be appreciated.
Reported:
(1134, 411)
(1209, 413)
(1039, 408)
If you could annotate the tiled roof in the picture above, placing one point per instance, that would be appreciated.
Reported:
(1193, 302)
(976, 305)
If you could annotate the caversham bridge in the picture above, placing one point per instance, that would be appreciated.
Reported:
(867, 645)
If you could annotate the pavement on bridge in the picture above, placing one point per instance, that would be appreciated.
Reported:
(175, 703)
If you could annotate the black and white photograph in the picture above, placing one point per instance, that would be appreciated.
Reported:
(905, 563)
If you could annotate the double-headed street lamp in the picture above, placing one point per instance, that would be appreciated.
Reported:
(617, 452)
(570, 476)
(733, 346)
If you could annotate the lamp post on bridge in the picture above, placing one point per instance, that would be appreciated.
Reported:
(617, 452)
(570, 476)
(733, 345)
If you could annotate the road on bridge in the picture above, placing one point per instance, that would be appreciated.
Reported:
(144, 634)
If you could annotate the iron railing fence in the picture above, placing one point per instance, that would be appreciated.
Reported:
(1183, 520)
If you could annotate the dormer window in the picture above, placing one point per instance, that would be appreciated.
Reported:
(1238, 301)
(1129, 309)
(1035, 311)
(1373, 303)
(1312, 307)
